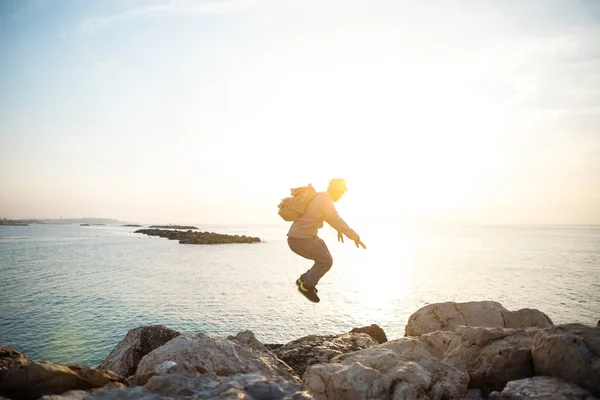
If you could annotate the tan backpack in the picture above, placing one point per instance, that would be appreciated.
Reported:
(291, 208)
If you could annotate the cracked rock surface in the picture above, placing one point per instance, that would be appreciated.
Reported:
(490, 314)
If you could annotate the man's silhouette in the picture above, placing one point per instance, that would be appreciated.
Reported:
(303, 239)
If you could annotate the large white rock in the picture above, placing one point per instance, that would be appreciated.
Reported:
(541, 388)
(138, 342)
(492, 356)
(447, 316)
(221, 356)
(570, 352)
(403, 367)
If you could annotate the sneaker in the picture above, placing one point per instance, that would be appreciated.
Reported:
(299, 282)
(310, 292)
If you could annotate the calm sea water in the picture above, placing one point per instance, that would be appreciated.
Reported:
(69, 293)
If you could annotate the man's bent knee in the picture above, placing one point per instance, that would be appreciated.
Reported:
(326, 263)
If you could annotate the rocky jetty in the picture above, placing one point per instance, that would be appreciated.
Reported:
(173, 226)
(468, 361)
(192, 237)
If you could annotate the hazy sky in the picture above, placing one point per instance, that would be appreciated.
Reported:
(209, 111)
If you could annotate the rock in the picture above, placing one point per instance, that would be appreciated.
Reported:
(339, 382)
(374, 331)
(474, 394)
(70, 395)
(447, 316)
(526, 318)
(542, 388)
(436, 343)
(402, 367)
(21, 378)
(428, 345)
(492, 356)
(191, 237)
(210, 385)
(10, 357)
(301, 353)
(247, 338)
(221, 356)
(138, 342)
(181, 381)
(108, 392)
(570, 352)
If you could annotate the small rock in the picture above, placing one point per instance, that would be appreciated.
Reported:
(374, 331)
(247, 338)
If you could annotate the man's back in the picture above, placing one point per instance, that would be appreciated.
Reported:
(320, 209)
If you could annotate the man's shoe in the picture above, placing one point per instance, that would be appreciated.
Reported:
(299, 282)
(310, 292)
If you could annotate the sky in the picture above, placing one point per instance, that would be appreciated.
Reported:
(209, 111)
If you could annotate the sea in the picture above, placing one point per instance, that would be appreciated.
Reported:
(70, 293)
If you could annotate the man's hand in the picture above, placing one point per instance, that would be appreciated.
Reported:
(359, 243)
(340, 237)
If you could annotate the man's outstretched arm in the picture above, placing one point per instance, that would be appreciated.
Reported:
(333, 218)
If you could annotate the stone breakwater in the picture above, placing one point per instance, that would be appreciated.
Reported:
(193, 237)
(474, 350)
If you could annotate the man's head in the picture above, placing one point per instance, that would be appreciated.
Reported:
(337, 188)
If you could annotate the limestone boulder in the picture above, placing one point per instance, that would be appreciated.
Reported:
(220, 356)
(314, 349)
(447, 316)
(138, 342)
(340, 382)
(541, 388)
(570, 352)
(492, 356)
(403, 368)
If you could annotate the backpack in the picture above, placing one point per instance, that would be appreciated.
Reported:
(291, 208)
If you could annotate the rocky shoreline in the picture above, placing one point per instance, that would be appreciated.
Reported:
(473, 350)
(191, 237)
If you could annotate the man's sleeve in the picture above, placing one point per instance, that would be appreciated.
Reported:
(332, 217)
